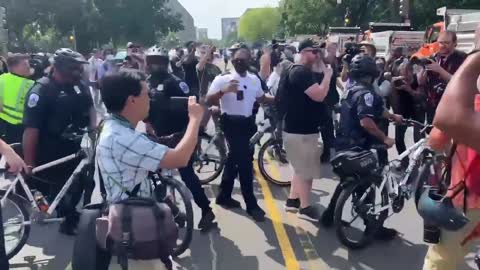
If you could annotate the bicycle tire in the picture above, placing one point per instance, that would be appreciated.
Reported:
(367, 238)
(187, 199)
(223, 159)
(20, 203)
(261, 166)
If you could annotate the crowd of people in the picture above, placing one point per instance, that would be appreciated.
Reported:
(43, 96)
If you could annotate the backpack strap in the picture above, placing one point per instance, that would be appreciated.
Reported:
(125, 246)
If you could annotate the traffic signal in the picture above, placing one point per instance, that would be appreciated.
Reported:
(3, 17)
(347, 17)
(404, 8)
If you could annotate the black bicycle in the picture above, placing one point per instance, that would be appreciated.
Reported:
(179, 198)
(272, 158)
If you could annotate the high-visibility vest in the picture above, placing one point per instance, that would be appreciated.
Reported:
(13, 90)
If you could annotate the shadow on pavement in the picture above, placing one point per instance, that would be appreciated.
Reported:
(215, 252)
(54, 245)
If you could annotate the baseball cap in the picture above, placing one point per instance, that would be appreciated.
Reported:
(308, 43)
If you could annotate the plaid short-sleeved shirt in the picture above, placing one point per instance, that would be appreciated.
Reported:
(125, 157)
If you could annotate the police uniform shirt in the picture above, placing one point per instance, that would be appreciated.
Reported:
(165, 119)
(251, 87)
(367, 105)
(51, 108)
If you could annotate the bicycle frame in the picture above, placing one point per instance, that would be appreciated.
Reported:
(417, 150)
(52, 207)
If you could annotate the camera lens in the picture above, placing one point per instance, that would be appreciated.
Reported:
(431, 234)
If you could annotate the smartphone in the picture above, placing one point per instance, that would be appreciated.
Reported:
(179, 104)
(240, 95)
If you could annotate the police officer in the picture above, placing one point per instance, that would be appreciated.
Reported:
(56, 104)
(168, 118)
(237, 92)
(360, 114)
(13, 89)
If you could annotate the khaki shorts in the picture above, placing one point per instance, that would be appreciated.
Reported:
(303, 153)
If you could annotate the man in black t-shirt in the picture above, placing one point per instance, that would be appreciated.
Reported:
(304, 112)
(189, 64)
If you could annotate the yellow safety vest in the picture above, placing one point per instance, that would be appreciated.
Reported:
(13, 90)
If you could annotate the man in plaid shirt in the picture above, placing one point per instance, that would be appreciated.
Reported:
(125, 156)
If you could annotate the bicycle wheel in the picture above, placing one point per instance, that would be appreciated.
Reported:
(16, 226)
(209, 159)
(177, 196)
(273, 163)
(362, 198)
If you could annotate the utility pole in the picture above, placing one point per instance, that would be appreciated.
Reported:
(3, 31)
(404, 10)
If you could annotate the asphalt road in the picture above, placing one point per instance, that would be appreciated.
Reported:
(282, 242)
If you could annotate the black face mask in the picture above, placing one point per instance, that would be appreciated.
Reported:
(240, 65)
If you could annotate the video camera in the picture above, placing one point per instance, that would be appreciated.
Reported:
(351, 49)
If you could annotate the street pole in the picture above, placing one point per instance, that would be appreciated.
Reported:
(74, 39)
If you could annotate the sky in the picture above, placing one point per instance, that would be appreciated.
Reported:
(208, 13)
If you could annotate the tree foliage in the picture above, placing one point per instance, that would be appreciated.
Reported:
(93, 22)
(315, 16)
(259, 24)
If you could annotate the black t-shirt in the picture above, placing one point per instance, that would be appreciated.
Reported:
(165, 118)
(52, 108)
(303, 115)
(191, 77)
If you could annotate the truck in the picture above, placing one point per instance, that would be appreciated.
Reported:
(342, 35)
(461, 21)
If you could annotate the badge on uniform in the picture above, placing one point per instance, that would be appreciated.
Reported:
(369, 99)
(160, 87)
(33, 100)
(77, 89)
(184, 87)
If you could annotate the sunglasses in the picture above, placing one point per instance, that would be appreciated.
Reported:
(314, 51)
(239, 60)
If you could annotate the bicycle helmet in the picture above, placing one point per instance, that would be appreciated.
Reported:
(363, 65)
(439, 211)
(157, 51)
(67, 61)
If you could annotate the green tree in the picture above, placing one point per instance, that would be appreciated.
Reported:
(259, 24)
(315, 16)
(94, 22)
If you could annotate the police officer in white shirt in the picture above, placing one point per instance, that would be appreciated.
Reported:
(237, 91)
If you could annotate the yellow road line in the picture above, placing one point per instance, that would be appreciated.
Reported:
(311, 254)
(291, 262)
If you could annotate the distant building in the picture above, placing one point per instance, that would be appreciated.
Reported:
(202, 33)
(229, 26)
(189, 32)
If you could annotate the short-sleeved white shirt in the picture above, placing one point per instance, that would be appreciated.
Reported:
(251, 87)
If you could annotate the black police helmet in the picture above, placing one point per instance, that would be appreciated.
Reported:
(64, 58)
(363, 65)
(438, 210)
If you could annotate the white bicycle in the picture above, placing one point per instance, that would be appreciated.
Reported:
(373, 197)
(19, 213)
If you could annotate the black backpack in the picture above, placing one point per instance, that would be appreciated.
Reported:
(281, 98)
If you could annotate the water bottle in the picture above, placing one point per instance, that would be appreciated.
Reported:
(41, 201)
